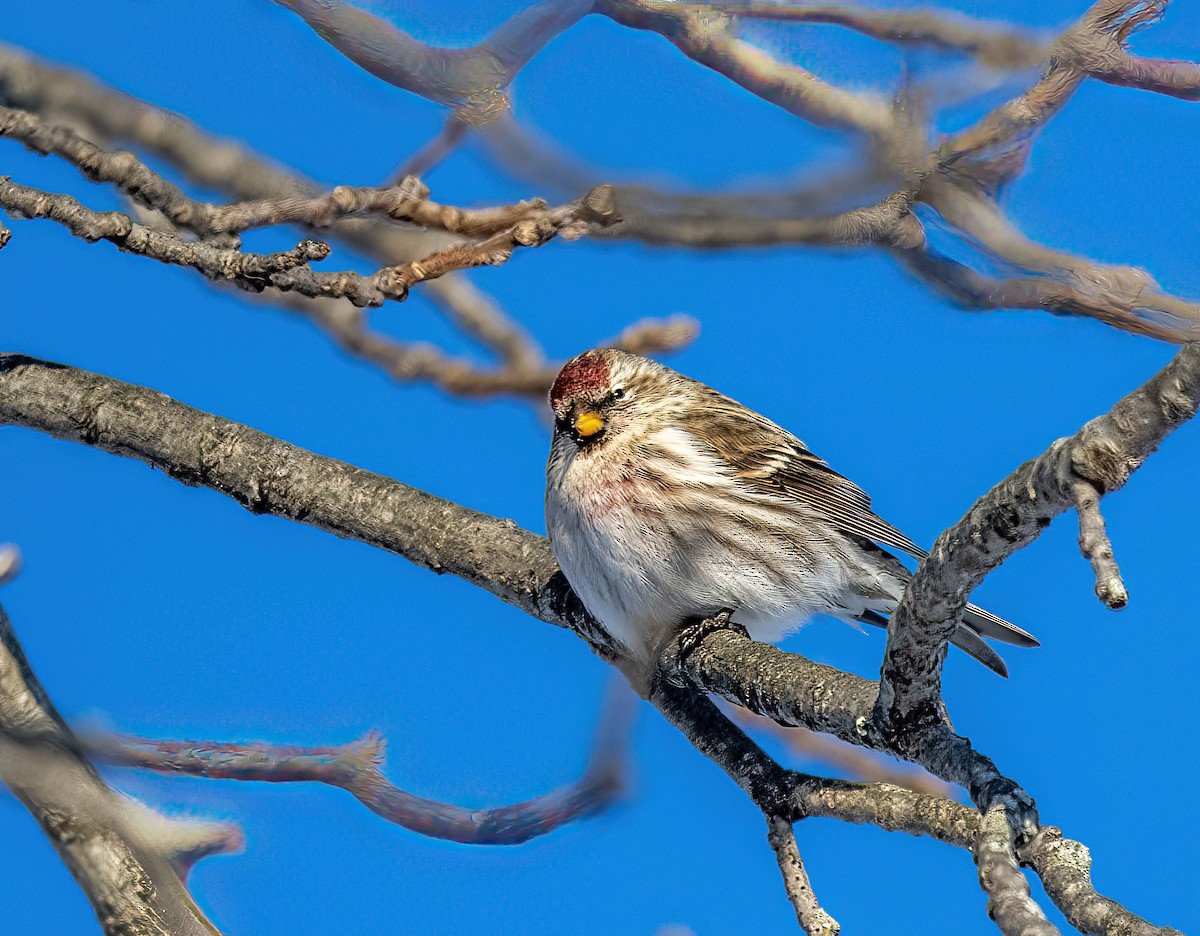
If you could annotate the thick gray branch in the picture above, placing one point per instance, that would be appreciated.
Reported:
(1103, 454)
(269, 476)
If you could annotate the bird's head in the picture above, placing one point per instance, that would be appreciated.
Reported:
(600, 393)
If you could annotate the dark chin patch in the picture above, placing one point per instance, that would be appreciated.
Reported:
(587, 372)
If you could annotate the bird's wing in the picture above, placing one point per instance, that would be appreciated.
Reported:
(770, 460)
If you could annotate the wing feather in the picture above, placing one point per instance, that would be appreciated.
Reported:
(770, 460)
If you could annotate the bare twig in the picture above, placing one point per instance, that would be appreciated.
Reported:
(1096, 546)
(1065, 869)
(811, 916)
(595, 209)
(214, 262)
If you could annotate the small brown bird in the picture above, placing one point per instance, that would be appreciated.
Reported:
(667, 501)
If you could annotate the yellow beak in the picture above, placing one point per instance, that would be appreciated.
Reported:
(587, 424)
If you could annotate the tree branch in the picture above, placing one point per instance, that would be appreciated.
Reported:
(1103, 454)
(595, 209)
(219, 263)
(809, 914)
(131, 887)
(995, 44)
(703, 35)
(473, 80)
(269, 476)
(358, 769)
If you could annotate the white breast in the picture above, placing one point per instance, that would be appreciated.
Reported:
(645, 560)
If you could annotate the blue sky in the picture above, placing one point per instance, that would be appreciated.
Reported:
(170, 612)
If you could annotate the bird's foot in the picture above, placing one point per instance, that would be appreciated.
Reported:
(695, 632)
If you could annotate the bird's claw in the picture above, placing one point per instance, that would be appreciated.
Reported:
(695, 633)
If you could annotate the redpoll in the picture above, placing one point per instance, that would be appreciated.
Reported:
(667, 501)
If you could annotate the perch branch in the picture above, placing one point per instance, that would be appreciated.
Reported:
(269, 476)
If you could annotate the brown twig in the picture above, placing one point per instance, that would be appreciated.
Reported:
(595, 209)
(214, 262)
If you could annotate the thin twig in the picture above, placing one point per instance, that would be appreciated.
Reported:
(1096, 546)
(595, 209)
(811, 916)
(215, 262)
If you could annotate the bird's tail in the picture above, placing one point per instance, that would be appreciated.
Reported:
(968, 636)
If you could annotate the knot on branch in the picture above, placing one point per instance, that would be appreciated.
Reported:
(1096, 44)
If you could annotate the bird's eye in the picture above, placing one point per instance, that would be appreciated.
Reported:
(618, 394)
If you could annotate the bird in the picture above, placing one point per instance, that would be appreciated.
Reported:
(667, 502)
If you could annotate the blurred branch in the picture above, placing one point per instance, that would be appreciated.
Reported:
(996, 146)
(472, 81)
(996, 44)
(1156, 316)
(131, 887)
(702, 33)
(859, 763)
(10, 562)
(357, 768)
